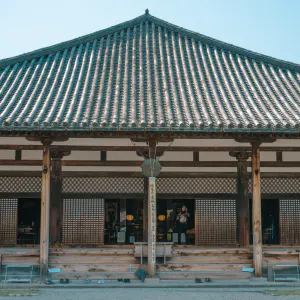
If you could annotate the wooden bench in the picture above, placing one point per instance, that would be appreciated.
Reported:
(163, 249)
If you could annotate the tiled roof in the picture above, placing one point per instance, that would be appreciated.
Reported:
(148, 73)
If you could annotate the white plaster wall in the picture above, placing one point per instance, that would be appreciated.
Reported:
(168, 156)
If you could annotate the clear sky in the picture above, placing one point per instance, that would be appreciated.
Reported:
(271, 27)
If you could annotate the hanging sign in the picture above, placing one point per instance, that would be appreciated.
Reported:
(151, 167)
(152, 214)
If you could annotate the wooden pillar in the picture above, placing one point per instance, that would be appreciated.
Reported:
(242, 201)
(145, 209)
(256, 210)
(152, 226)
(45, 207)
(56, 204)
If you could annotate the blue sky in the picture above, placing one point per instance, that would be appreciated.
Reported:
(271, 27)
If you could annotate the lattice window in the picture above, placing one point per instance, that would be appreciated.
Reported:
(83, 221)
(196, 185)
(8, 221)
(215, 222)
(105, 185)
(278, 185)
(290, 222)
(20, 184)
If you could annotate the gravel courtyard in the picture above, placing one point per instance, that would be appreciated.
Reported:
(151, 293)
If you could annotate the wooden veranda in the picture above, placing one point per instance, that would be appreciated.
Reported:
(185, 258)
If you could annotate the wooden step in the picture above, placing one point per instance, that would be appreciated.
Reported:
(20, 260)
(173, 275)
(182, 251)
(92, 252)
(203, 267)
(87, 259)
(93, 275)
(95, 267)
(225, 259)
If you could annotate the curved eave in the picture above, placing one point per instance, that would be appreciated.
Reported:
(17, 129)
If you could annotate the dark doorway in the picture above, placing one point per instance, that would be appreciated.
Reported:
(270, 221)
(167, 223)
(29, 219)
(123, 221)
(112, 221)
(134, 220)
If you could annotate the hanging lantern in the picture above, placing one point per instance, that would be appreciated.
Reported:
(129, 218)
(161, 218)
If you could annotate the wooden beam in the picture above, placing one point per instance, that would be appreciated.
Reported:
(196, 156)
(152, 149)
(10, 162)
(18, 155)
(138, 163)
(182, 174)
(45, 209)
(139, 174)
(21, 147)
(121, 196)
(183, 164)
(152, 138)
(256, 210)
(133, 163)
(45, 139)
(206, 196)
(103, 155)
(144, 148)
(279, 156)
(13, 195)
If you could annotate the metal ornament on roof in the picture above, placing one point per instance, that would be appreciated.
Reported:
(151, 167)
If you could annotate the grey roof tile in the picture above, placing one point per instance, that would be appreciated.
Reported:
(148, 73)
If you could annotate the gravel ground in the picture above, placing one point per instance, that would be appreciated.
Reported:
(151, 293)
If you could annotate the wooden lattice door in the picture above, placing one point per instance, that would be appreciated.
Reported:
(83, 221)
(289, 222)
(215, 222)
(8, 221)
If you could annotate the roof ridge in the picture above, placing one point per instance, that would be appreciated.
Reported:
(226, 46)
(146, 16)
(63, 45)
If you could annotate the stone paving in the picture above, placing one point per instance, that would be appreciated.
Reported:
(151, 293)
